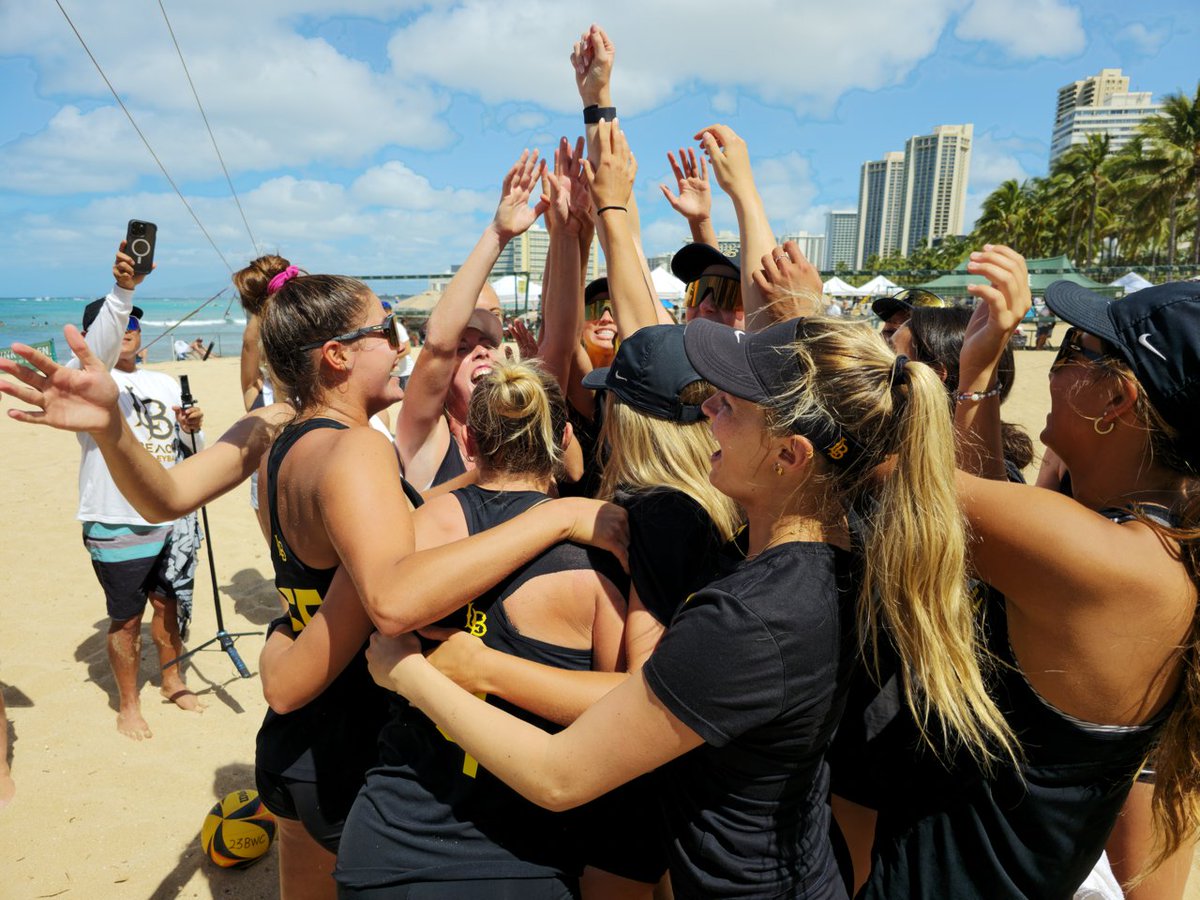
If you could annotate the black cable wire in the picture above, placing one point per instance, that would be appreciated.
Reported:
(129, 116)
(211, 136)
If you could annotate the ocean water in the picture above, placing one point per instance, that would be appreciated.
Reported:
(34, 319)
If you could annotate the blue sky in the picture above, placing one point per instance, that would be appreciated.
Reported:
(368, 136)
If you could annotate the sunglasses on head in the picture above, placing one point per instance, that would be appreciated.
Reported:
(724, 292)
(919, 297)
(388, 328)
(1072, 345)
(133, 324)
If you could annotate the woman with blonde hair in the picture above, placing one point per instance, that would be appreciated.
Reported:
(743, 693)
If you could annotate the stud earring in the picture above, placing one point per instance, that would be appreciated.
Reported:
(778, 469)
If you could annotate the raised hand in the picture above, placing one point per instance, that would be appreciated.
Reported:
(565, 189)
(592, 59)
(694, 198)
(789, 283)
(123, 270)
(612, 179)
(729, 158)
(527, 343)
(1002, 305)
(514, 215)
(83, 399)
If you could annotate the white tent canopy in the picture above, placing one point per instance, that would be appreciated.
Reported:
(511, 291)
(835, 287)
(666, 285)
(1131, 281)
(878, 286)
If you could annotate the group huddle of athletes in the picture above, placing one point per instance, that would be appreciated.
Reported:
(754, 606)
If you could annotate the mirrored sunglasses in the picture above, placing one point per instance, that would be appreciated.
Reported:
(1072, 346)
(133, 324)
(595, 309)
(724, 292)
(919, 297)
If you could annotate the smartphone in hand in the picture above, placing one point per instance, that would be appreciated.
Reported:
(139, 243)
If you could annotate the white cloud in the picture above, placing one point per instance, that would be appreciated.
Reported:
(526, 120)
(1026, 29)
(995, 159)
(1142, 40)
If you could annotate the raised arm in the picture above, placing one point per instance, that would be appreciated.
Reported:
(730, 161)
(592, 58)
(1002, 304)
(250, 360)
(433, 372)
(789, 284)
(105, 333)
(85, 400)
(694, 198)
(562, 299)
(611, 181)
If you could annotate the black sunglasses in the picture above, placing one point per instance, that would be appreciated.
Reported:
(1072, 344)
(389, 328)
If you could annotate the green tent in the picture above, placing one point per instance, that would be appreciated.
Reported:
(1042, 272)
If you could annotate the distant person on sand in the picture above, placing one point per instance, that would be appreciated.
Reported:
(7, 786)
(134, 560)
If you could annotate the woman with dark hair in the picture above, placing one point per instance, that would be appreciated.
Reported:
(934, 335)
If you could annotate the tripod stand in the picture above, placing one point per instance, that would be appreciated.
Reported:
(223, 638)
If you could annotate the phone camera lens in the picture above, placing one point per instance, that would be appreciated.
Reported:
(137, 228)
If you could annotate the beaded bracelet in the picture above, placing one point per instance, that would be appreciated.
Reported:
(975, 396)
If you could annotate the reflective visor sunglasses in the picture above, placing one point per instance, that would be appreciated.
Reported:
(133, 324)
(388, 328)
(595, 309)
(919, 297)
(1072, 345)
(725, 292)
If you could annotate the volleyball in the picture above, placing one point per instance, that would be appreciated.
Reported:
(238, 830)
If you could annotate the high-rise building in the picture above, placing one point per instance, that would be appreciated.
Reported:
(1101, 104)
(527, 253)
(936, 169)
(841, 239)
(811, 245)
(880, 207)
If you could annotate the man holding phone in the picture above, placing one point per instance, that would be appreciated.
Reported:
(134, 560)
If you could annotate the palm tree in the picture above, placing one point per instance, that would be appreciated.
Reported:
(1084, 165)
(1003, 217)
(1174, 139)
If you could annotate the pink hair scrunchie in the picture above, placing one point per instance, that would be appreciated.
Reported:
(281, 279)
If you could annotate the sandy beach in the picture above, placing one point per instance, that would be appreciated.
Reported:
(97, 815)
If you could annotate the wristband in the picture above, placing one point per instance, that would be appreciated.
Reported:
(975, 396)
(606, 208)
(593, 114)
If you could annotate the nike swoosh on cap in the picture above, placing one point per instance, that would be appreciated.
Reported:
(617, 375)
(1144, 340)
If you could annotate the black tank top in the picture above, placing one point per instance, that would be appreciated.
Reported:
(429, 812)
(331, 740)
(452, 465)
(947, 829)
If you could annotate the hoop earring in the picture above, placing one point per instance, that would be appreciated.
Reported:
(778, 469)
(1096, 425)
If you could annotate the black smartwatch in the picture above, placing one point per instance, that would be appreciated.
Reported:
(593, 114)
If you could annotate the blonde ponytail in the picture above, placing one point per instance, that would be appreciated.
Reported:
(517, 417)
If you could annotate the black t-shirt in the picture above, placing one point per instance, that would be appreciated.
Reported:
(757, 664)
(674, 548)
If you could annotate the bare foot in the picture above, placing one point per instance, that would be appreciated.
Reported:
(131, 724)
(183, 697)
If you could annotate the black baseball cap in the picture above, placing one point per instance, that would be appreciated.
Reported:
(93, 309)
(887, 306)
(690, 262)
(1157, 332)
(761, 366)
(648, 372)
(595, 289)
